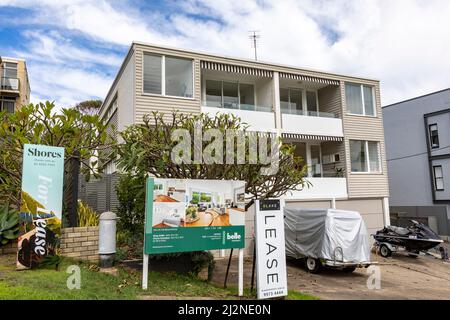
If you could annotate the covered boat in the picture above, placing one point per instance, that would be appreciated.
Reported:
(336, 238)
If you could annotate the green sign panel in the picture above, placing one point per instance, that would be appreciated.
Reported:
(41, 205)
(193, 215)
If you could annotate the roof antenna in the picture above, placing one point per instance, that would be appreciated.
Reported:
(254, 36)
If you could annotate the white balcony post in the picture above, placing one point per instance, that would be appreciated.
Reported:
(276, 101)
(308, 159)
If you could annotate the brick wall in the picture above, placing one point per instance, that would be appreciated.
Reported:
(80, 243)
(9, 248)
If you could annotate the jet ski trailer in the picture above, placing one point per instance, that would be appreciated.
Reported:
(414, 239)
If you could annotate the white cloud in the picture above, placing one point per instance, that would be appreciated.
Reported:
(403, 43)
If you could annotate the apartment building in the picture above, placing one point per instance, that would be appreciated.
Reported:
(14, 85)
(418, 154)
(334, 120)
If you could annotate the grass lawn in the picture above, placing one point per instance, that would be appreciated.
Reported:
(51, 284)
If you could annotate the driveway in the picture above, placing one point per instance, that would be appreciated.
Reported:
(402, 277)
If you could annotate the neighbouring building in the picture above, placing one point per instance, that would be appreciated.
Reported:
(334, 120)
(14, 85)
(417, 133)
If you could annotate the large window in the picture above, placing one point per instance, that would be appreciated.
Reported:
(438, 178)
(359, 99)
(10, 70)
(168, 76)
(292, 101)
(231, 95)
(7, 104)
(434, 136)
(365, 156)
(179, 77)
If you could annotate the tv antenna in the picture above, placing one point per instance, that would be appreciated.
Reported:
(254, 36)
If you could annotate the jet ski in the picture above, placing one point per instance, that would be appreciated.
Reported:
(415, 238)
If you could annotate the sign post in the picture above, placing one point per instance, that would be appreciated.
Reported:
(270, 249)
(183, 215)
(41, 205)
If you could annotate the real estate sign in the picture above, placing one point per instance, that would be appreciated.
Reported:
(193, 215)
(270, 249)
(41, 206)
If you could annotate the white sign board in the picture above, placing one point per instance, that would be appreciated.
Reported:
(270, 249)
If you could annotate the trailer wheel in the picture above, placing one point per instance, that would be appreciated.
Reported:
(313, 265)
(385, 252)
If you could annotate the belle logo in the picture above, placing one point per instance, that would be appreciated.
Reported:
(234, 236)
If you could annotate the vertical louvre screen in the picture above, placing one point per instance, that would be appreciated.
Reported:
(152, 74)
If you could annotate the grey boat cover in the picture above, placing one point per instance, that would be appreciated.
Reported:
(327, 234)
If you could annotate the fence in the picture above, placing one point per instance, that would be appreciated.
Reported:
(100, 194)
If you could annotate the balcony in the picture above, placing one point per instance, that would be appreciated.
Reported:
(312, 123)
(321, 188)
(9, 84)
(259, 118)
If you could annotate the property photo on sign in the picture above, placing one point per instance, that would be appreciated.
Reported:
(41, 205)
(191, 215)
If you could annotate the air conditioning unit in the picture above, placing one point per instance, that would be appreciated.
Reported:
(330, 158)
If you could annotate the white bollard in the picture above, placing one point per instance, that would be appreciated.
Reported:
(107, 239)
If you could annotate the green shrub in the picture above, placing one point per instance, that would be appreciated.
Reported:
(87, 217)
(9, 224)
(131, 210)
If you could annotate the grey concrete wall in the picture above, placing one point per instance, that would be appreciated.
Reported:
(405, 134)
(443, 194)
(440, 212)
(443, 123)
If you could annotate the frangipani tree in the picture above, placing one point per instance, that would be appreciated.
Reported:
(83, 136)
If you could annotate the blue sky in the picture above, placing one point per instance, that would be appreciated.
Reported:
(74, 48)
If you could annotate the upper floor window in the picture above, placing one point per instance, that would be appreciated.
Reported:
(7, 104)
(168, 76)
(10, 70)
(298, 101)
(231, 95)
(359, 99)
(438, 178)
(365, 156)
(434, 136)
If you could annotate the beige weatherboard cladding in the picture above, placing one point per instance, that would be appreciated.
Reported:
(134, 103)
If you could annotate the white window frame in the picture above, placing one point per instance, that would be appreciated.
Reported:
(9, 68)
(163, 77)
(435, 178)
(363, 104)
(366, 150)
(432, 146)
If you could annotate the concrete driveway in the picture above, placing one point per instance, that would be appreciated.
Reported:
(402, 277)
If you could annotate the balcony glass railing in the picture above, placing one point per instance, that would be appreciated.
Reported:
(237, 106)
(10, 83)
(309, 113)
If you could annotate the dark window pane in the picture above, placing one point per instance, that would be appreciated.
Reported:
(311, 101)
(213, 93)
(230, 95)
(247, 94)
(284, 100)
(296, 101)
